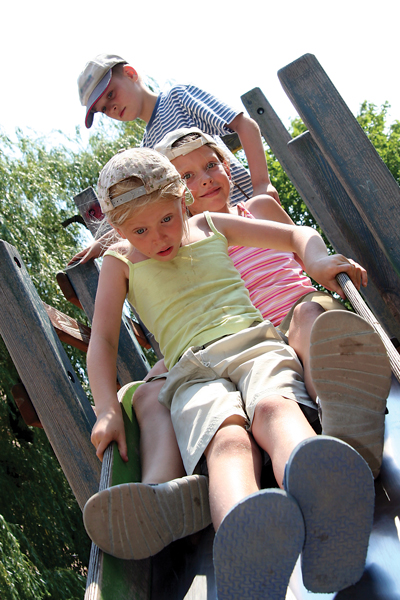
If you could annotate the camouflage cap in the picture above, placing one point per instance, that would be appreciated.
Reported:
(152, 168)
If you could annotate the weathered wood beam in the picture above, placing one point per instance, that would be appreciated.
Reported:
(331, 206)
(353, 158)
(132, 364)
(25, 405)
(43, 366)
(348, 233)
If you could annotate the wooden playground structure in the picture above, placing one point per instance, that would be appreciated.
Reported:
(356, 201)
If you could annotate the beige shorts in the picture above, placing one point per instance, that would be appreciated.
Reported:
(229, 377)
(327, 302)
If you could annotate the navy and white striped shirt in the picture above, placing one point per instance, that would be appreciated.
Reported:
(188, 106)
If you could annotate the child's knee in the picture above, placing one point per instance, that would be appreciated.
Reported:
(302, 321)
(273, 407)
(306, 311)
(145, 398)
(232, 436)
(158, 369)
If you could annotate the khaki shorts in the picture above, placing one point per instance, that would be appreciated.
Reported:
(229, 377)
(327, 302)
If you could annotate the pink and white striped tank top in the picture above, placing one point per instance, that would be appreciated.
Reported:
(275, 280)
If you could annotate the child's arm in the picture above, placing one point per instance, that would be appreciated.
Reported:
(265, 207)
(304, 241)
(96, 249)
(250, 138)
(102, 356)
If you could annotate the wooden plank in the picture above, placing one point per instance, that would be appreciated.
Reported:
(77, 334)
(232, 141)
(331, 206)
(351, 155)
(277, 138)
(45, 370)
(346, 230)
(68, 329)
(132, 364)
(67, 289)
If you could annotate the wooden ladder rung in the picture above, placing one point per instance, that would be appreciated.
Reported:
(68, 329)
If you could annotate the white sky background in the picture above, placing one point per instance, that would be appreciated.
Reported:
(45, 44)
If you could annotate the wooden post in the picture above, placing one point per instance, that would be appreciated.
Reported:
(348, 233)
(332, 208)
(277, 138)
(365, 177)
(89, 207)
(48, 376)
(132, 364)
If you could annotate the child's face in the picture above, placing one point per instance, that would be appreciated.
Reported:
(156, 231)
(207, 178)
(123, 99)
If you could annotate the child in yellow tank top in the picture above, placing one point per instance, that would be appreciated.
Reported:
(144, 200)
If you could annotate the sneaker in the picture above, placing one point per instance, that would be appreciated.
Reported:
(334, 489)
(257, 545)
(137, 520)
(352, 377)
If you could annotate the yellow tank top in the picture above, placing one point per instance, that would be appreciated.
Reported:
(193, 299)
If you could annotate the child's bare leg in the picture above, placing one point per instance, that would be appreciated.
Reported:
(160, 457)
(259, 533)
(319, 472)
(279, 425)
(304, 316)
(234, 467)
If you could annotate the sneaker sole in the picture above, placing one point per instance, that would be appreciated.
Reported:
(352, 377)
(256, 547)
(334, 488)
(136, 520)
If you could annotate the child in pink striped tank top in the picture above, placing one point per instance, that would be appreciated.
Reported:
(275, 280)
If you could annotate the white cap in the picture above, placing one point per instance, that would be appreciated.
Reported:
(165, 146)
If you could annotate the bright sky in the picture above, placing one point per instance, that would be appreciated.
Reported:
(226, 51)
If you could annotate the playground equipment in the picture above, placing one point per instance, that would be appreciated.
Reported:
(356, 201)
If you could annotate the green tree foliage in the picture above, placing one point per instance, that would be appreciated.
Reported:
(44, 549)
(385, 138)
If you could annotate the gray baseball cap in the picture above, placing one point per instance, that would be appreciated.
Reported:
(94, 80)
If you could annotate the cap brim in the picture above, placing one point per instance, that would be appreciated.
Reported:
(97, 93)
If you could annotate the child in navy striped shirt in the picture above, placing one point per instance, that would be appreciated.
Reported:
(109, 85)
